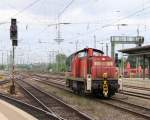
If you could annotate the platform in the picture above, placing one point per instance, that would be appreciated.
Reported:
(10, 112)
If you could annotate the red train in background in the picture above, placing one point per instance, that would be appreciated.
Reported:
(92, 73)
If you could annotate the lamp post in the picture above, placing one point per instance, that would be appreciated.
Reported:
(58, 39)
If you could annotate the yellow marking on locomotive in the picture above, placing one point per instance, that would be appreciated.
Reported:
(105, 85)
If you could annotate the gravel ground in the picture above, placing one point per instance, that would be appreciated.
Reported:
(95, 109)
(137, 82)
(4, 88)
(135, 100)
(20, 95)
(136, 90)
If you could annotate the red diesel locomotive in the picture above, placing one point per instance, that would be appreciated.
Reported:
(92, 72)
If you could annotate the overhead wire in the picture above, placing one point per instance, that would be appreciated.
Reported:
(22, 10)
(34, 2)
(43, 30)
(128, 16)
(65, 8)
(27, 7)
(131, 15)
(92, 23)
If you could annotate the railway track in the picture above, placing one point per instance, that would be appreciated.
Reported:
(129, 107)
(53, 104)
(49, 77)
(4, 82)
(54, 81)
(136, 94)
(136, 87)
(117, 103)
(140, 95)
(34, 111)
(62, 86)
(33, 100)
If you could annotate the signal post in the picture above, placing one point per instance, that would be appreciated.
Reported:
(13, 37)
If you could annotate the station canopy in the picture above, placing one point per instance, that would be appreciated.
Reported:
(143, 51)
(140, 50)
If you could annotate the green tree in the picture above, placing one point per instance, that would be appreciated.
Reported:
(68, 63)
(61, 58)
(61, 62)
(60, 65)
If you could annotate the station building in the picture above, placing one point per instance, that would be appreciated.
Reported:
(141, 51)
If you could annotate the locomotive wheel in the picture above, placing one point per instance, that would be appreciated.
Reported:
(81, 92)
(81, 88)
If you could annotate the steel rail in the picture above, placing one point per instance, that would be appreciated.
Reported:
(37, 99)
(54, 83)
(140, 110)
(72, 112)
(129, 107)
(34, 111)
(136, 87)
(136, 94)
(43, 106)
(4, 81)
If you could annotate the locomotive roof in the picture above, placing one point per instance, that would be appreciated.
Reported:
(85, 50)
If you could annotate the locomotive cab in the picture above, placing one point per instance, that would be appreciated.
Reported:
(92, 73)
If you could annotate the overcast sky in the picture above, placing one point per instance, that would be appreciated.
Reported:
(87, 18)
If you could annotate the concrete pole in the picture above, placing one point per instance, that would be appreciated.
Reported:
(94, 41)
(12, 87)
(112, 49)
(13, 64)
(107, 49)
(2, 59)
(149, 67)
(7, 61)
(144, 67)
(76, 44)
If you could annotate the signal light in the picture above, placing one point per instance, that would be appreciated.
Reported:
(14, 42)
(13, 32)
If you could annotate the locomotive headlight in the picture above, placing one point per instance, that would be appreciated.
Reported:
(104, 75)
(103, 59)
